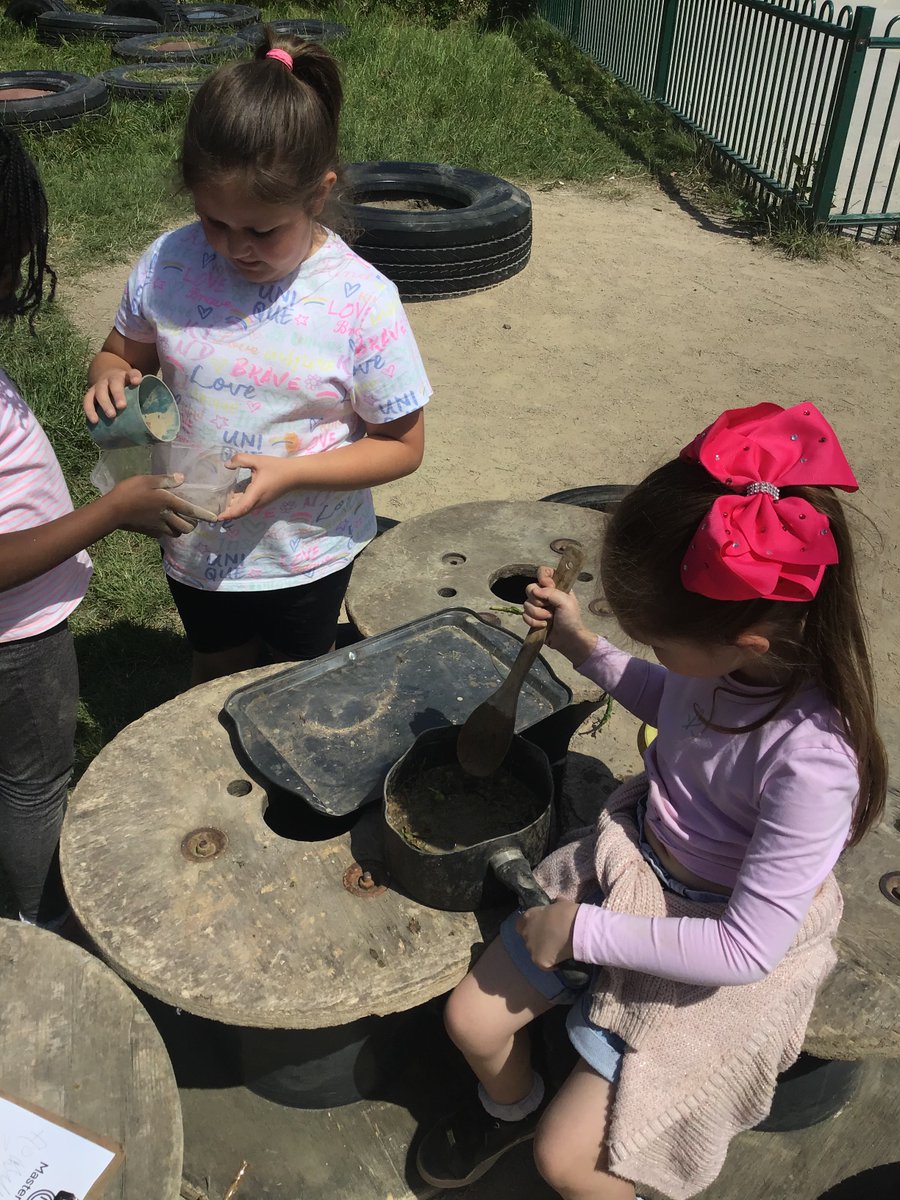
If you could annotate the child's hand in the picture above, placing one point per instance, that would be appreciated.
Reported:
(272, 477)
(567, 633)
(547, 932)
(143, 504)
(108, 395)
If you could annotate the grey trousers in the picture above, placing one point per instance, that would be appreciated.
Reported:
(38, 707)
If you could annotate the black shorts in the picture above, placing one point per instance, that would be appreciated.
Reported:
(297, 622)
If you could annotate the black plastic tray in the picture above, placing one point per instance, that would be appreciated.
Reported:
(329, 730)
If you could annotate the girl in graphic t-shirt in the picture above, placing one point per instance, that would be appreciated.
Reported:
(288, 355)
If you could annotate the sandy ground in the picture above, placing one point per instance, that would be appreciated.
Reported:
(635, 323)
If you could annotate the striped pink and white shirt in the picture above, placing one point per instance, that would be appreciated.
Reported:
(33, 492)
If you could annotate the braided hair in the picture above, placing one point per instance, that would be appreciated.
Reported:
(23, 232)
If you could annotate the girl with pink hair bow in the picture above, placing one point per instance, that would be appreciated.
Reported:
(704, 903)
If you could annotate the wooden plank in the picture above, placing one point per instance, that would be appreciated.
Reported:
(75, 1041)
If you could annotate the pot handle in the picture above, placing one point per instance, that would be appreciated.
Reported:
(512, 869)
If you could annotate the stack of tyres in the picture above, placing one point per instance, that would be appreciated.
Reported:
(469, 231)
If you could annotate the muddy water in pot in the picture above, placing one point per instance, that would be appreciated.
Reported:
(441, 808)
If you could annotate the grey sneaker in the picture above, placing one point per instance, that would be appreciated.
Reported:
(463, 1146)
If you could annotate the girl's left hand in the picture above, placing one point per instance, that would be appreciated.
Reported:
(272, 477)
(547, 932)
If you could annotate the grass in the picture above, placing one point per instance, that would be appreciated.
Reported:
(646, 135)
(794, 239)
(465, 96)
(457, 94)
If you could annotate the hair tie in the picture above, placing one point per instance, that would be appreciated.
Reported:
(756, 544)
(282, 56)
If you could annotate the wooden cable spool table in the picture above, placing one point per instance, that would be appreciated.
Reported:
(75, 1042)
(481, 556)
(188, 893)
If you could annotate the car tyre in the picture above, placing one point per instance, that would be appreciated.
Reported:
(166, 13)
(69, 98)
(26, 12)
(192, 47)
(476, 233)
(55, 27)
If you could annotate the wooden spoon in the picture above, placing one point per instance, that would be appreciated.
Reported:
(486, 736)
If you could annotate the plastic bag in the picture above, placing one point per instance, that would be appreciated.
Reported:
(115, 465)
(208, 483)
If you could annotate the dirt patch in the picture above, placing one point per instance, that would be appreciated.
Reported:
(633, 326)
(407, 204)
(24, 93)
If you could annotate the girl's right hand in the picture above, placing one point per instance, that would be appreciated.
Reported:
(567, 633)
(143, 504)
(107, 394)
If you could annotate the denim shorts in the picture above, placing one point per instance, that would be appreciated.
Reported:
(600, 1048)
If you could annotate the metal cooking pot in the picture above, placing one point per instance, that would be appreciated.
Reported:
(481, 874)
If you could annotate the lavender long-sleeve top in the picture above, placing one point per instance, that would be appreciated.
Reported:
(765, 812)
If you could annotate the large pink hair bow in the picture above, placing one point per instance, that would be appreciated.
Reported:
(755, 544)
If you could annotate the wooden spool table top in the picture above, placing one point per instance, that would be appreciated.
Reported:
(75, 1042)
(237, 923)
(452, 557)
(857, 1012)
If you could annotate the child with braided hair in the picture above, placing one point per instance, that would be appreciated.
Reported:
(289, 356)
(44, 572)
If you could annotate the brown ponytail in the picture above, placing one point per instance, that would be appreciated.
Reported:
(824, 640)
(275, 128)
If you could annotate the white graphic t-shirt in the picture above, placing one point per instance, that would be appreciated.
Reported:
(287, 368)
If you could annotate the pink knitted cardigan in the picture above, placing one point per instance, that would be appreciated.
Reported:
(701, 1062)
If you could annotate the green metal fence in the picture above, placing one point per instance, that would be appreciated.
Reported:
(800, 97)
(872, 168)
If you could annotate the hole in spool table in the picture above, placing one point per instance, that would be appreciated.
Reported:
(509, 583)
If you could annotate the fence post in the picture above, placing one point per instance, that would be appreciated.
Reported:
(664, 49)
(829, 163)
(575, 21)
